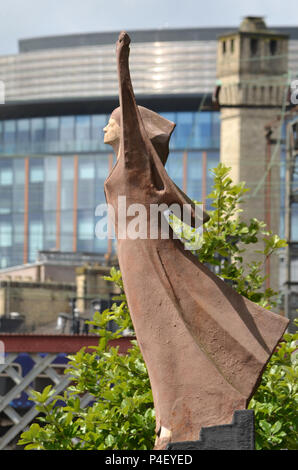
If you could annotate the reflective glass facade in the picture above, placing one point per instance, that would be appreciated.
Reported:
(79, 134)
(52, 172)
(163, 61)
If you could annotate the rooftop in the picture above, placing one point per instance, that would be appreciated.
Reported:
(140, 36)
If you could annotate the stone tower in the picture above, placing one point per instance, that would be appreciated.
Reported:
(252, 66)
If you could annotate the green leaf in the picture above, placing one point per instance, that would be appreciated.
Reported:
(109, 440)
(276, 427)
(34, 429)
(68, 419)
(46, 393)
(265, 426)
(34, 446)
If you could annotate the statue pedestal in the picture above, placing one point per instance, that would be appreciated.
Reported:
(239, 435)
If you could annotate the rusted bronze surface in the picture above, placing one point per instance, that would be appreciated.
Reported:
(205, 346)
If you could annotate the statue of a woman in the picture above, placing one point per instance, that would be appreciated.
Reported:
(205, 346)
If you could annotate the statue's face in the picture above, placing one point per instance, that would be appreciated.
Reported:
(111, 132)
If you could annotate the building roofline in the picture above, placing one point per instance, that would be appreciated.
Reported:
(102, 105)
(149, 35)
(17, 268)
(58, 258)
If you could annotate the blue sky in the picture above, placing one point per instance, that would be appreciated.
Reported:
(30, 18)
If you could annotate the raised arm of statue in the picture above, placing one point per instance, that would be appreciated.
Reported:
(135, 144)
(133, 135)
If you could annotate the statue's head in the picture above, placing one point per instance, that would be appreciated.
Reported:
(158, 128)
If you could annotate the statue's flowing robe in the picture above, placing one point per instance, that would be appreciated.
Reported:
(205, 346)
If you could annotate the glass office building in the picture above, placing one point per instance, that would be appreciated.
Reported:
(52, 172)
(59, 93)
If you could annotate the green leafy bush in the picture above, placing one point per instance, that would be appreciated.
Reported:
(226, 239)
(122, 415)
(275, 403)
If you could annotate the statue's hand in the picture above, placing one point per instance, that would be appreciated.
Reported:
(122, 50)
(123, 39)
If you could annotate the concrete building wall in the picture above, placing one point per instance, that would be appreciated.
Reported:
(243, 148)
(40, 291)
(253, 93)
(40, 303)
(45, 270)
(25, 273)
(91, 285)
(40, 273)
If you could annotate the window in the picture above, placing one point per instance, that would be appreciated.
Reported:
(86, 230)
(174, 167)
(67, 133)
(202, 132)
(67, 178)
(19, 185)
(82, 132)
(101, 245)
(36, 171)
(6, 186)
(52, 133)
(19, 171)
(50, 183)
(5, 199)
(253, 46)
(232, 42)
(35, 237)
(50, 167)
(4, 262)
(18, 229)
(215, 132)
(9, 136)
(184, 129)
(102, 167)
(254, 93)
(102, 171)
(38, 134)
(98, 122)
(85, 225)
(1, 136)
(273, 46)
(171, 117)
(194, 175)
(6, 176)
(23, 136)
(36, 186)
(49, 230)
(5, 233)
(67, 168)
(86, 183)
(66, 230)
(86, 168)
(270, 92)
